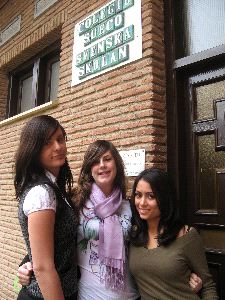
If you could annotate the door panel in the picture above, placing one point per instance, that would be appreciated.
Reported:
(203, 166)
(207, 132)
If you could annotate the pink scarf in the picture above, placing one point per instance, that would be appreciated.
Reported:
(111, 249)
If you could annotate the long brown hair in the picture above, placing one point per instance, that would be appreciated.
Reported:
(85, 180)
(27, 167)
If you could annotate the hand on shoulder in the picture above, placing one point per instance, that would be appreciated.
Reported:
(184, 230)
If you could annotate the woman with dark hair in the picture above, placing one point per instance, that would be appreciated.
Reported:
(104, 225)
(164, 251)
(43, 182)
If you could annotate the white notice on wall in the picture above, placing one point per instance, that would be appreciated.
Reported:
(134, 161)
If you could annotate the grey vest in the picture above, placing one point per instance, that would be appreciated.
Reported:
(65, 236)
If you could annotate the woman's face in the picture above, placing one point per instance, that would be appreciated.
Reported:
(53, 153)
(104, 172)
(145, 202)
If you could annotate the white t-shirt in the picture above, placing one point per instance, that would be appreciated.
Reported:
(38, 198)
(89, 286)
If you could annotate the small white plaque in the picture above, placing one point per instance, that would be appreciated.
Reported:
(134, 161)
(10, 30)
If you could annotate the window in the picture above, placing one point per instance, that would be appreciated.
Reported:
(34, 83)
(199, 25)
(26, 101)
(53, 78)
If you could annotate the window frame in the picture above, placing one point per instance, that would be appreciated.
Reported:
(38, 66)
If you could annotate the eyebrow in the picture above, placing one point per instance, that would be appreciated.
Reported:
(107, 155)
(137, 191)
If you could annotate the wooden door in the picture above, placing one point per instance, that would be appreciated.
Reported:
(202, 163)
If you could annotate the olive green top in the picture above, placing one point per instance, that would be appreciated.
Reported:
(163, 273)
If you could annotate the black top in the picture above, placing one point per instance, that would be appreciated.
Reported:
(65, 235)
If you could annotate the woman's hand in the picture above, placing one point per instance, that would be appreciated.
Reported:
(195, 283)
(24, 273)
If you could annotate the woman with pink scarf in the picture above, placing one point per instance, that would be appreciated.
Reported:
(104, 227)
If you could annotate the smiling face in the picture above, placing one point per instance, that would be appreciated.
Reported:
(53, 153)
(145, 202)
(104, 172)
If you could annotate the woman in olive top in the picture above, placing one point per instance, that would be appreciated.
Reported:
(163, 250)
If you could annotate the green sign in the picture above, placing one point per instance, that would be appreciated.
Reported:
(102, 62)
(106, 45)
(105, 13)
(102, 40)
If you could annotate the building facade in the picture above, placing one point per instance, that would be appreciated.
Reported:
(125, 105)
(147, 75)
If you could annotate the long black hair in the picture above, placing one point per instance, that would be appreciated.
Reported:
(27, 167)
(170, 223)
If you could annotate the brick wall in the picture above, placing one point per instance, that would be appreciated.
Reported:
(126, 105)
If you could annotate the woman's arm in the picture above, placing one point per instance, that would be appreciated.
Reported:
(41, 236)
(195, 254)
